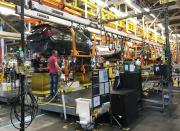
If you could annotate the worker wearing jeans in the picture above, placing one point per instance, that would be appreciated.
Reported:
(53, 84)
(53, 70)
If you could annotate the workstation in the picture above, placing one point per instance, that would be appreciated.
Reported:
(91, 62)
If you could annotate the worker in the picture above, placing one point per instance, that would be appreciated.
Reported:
(159, 60)
(53, 70)
(42, 63)
(39, 63)
(35, 63)
(138, 62)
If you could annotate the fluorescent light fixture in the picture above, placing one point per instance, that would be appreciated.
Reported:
(99, 3)
(27, 32)
(7, 11)
(161, 26)
(153, 15)
(134, 20)
(147, 9)
(133, 6)
(117, 12)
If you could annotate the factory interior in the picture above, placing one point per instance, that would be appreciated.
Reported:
(89, 65)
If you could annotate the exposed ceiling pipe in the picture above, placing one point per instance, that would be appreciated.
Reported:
(130, 3)
(154, 20)
(173, 25)
(136, 7)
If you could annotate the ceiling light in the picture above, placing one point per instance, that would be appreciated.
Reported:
(161, 26)
(134, 20)
(117, 12)
(147, 9)
(153, 15)
(99, 3)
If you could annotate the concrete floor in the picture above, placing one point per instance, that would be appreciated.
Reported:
(149, 120)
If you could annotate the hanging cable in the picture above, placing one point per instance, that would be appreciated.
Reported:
(59, 90)
(30, 107)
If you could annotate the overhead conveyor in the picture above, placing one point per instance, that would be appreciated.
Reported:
(52, 15)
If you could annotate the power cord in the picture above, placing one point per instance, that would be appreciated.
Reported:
(59, 90)
(30, 111)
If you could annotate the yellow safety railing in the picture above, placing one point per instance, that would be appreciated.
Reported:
(104, 14)
(7, 4)
(121, 24)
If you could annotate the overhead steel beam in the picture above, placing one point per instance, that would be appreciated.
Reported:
(177, 24)
(154, 20)
(176, 31)
(155, 3)
(57, 13)
(8, 24)
(172, 7)
(174, 18)
(139, 9)
(10, 35)
(161, 20)
(132, 16)
(176, 13)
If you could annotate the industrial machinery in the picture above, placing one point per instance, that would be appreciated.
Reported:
(74, 46)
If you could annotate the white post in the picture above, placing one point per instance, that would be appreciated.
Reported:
(126, 9)
(29, 26)
(86, 9)
(64, 105)
(144, 31)
(135, 25)
(2, 41)
(162, 33)
(116, 22)
(147, 30)
(177, 51)
(155, 33)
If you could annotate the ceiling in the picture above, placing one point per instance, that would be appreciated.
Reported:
(174, 12)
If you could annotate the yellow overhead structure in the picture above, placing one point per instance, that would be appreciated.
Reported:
(166, 1)
(131, 26)
(140, 31)
(7, 4)
(74, 8)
